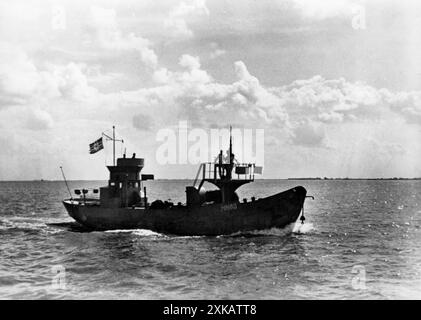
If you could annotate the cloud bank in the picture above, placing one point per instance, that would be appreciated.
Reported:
(58, 96)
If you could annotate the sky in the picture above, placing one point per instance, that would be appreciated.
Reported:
(334, 84)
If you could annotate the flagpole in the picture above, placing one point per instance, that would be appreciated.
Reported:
(113, 145)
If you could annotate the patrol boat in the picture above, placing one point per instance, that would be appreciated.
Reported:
(123, 203)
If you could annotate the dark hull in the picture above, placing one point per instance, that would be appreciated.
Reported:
(275, 211)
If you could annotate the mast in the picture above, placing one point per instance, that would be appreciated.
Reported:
(113, 145)
(114, 140)
(230, 144)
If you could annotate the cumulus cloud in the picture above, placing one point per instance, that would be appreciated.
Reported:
(72, 82)
(143, 122)
(110, 36)
(162, 75)
(216, 51)
(189, 62)
(322, 9)
(334, 101)
(245, 100)
(194, 95)
(192, 76)
(20, 80)
(308, 133)
(46, 79)
(331, 117)
(301, 112)
(407, 104)
(176, 23)
(37, 119)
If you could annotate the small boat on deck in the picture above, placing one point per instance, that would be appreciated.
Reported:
(123, 203)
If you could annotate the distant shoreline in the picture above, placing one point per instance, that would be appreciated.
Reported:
(189, 179)
(325, 178)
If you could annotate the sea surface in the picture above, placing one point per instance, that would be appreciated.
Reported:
(361, 240)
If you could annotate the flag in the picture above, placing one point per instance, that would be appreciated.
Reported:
(96, 146)
(258, 170)
(241, 170)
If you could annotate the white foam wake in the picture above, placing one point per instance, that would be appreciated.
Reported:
(138, 232)
(295, 228)
(302, 228)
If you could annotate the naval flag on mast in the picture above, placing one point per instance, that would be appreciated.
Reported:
(94, 147)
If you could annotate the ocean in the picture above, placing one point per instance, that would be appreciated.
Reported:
(361, 240)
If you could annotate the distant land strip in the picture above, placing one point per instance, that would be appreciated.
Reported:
(189, 179)
(325, 178)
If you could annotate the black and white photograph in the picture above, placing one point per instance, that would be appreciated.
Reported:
(212, 150)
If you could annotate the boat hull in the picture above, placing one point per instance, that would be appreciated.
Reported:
(275, 211)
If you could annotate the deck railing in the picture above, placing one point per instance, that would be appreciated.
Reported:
(208, 171)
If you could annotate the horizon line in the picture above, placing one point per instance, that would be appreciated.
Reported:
(166, 179)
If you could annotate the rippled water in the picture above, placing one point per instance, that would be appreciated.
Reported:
(355, 231)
